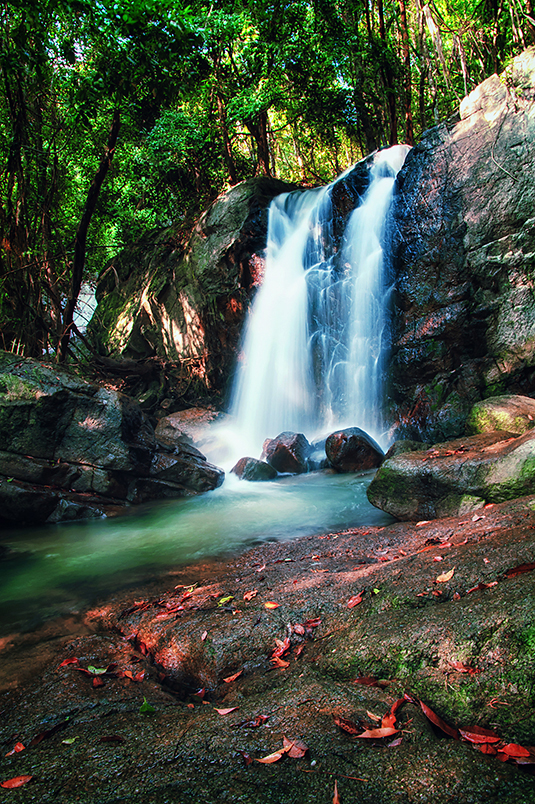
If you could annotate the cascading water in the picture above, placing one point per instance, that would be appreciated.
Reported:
(314, 341)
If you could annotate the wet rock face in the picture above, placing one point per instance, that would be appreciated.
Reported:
(184, 299)
(71, 450)
(254, 470)
(455, 477)
(464, 318)
(353, 450)
(287, 453)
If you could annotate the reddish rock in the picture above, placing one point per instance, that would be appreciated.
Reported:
(287, 453)
(253, 469)
(353, 450)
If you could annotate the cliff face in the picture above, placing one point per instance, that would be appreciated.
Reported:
(464, 314)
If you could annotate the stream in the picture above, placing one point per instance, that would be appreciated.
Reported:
(60, 569)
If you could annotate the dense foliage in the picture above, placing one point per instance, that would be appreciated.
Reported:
(116, 117)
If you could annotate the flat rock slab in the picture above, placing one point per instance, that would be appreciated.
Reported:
(442, 611)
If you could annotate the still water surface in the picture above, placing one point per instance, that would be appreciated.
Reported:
(57, 569)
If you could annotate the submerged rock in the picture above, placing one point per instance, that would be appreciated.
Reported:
(287, 453)
(455, 477)
(72, 450)
(253, 469)
(510, 412)
(353, 450)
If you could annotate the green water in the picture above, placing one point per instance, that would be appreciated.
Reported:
(57, 569)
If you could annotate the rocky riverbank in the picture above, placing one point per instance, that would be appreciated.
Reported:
(173, 692)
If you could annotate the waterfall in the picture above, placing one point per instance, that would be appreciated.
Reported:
(314, 342)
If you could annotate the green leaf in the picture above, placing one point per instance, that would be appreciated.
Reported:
(96, 671)
(69, 740)
(224, 600)
(146, 708)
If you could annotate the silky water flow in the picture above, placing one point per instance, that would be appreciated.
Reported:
(314, 345)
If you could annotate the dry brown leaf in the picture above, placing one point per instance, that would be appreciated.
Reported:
(446, 576)
(372, 734)
(275, 756)
(336, 798)
(346, 725)
(228, 679)
(296, 748)
(372, 716)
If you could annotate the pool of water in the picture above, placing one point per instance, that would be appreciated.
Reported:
(56, 569)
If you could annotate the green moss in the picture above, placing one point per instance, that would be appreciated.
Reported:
(15, 389)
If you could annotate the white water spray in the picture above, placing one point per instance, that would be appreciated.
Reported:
(314, 341)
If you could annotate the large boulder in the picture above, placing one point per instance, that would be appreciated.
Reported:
(254, 470)
(464, 323)
(510, 412)
(455, 477)
(71, 449)
(353, 450)
(287, 453)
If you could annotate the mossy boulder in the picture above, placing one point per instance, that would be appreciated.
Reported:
(510, 412)
(456, 477)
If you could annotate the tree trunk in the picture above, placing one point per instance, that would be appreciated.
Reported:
(409, 129)
(80, 243)
(388, 80)
(227, 148)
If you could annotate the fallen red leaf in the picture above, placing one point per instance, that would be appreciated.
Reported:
(226, 711)
(259, 720)
(395, 742)
(465, 668)
(246, 757)
(249, 595)
(278, 662)
(17, 748)
(65, 662)
(336, 798)
(477, 734)
(228, 679)
(346, 725)
(296, 748)
(273, 757)
(388, 721)
(16, 781)
(367, 681)
(481, 585)
(283, 645)
(313, 623)
(373, 734)
(355, 600)
(98, 682)
(520, 570)
(299, 650)
(299, 629)
(486, 748)
(514, 750)
(434, 718)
